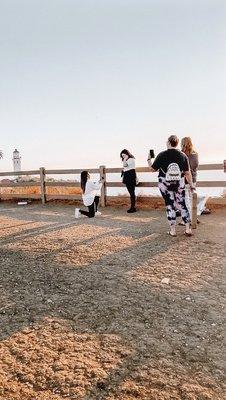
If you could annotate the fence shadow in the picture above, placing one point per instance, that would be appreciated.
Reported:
(119, 293)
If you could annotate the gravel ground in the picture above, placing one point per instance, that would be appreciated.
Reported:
(84, 313)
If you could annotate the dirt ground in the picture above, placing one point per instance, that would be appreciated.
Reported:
(84, 313)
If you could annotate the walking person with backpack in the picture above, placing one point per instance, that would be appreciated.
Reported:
(129, 177)
(173, 167)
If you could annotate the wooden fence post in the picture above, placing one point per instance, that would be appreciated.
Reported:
(194, 210)
(103, 188)
(43, 184)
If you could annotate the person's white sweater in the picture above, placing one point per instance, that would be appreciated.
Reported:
(128, 164)
(92, 190)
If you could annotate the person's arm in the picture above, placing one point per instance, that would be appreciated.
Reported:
(188, 177)
(150, 166)
(95, 185)
(194, 161)
(154, 166)
(187, 173)
(131, 163)
(125, 163)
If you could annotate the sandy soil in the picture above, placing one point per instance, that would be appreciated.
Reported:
(84, 314)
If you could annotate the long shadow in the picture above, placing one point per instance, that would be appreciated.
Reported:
(100, 298)
(137, 327)
(132, 256)
(36, 231)
(34, 212)
(104, 268)
(102, 222)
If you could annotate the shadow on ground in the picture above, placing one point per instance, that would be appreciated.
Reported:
(84, 314)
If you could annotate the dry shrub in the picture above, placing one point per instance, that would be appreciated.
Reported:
(36, 190)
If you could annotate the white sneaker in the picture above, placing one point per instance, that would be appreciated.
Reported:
(97, 214)
(77, 213)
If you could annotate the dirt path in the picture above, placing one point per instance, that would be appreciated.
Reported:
(84, 315)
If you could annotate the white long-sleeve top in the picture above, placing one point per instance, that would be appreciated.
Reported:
(128, 164)
(92, 190)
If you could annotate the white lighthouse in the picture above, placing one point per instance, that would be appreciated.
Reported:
(16, 161)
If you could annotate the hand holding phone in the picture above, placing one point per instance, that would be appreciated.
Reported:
(151, 154)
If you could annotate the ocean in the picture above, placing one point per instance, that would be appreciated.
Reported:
(152, 177)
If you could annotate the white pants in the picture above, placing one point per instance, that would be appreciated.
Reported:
(188, 200)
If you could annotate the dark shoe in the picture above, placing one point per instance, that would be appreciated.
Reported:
(131, 210)
(206, 211)
(188, 234)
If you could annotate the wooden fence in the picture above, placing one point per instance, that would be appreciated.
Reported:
(43, 183)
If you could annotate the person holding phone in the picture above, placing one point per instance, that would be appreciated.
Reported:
(129, 177)
(172, 166)
(90, 191)
(151, 154)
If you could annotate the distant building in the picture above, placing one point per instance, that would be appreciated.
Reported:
(16, 161)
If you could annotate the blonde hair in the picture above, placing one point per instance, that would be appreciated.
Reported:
(187, 146)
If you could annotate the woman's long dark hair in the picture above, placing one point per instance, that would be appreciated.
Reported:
(84, 177)
(127, 152)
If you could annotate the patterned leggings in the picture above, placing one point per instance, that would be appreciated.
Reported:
(173, 200)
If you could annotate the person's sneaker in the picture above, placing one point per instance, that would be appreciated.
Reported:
(131, 210)
(206, 211)
(188, 233)
(77, 213)
(97, 214)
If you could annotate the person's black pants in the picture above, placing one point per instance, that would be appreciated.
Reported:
(131, 189)
(92, 209)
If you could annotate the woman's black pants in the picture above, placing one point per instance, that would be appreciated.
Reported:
(92, 209)
(131, 189)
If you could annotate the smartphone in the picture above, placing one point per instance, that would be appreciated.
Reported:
(152, 153)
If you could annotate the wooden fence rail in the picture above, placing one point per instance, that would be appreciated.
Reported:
(103, 172)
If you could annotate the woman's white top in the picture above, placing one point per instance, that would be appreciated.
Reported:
(92, 190)
(128, 164)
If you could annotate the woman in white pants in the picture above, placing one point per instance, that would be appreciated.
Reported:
(187, 148)
(193, 158)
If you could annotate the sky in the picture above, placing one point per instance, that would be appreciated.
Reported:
(80, 79)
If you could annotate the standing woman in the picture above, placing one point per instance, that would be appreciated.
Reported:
(129, 177)
(193, 159)
(90, 196)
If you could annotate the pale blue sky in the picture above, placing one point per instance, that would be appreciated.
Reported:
(82, 79)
